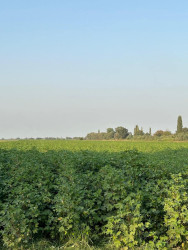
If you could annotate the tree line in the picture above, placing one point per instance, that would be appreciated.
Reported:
(121, 133)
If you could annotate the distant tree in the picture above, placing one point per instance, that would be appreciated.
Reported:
(167, 133)
(102, 136)
(121, 133)
(110, 133)
(130, 136)
(96, 136)
(159, 133)
(185, 130)
(179, 124)
(138, 131)
(109, 130)
(150, 131)
(147, 134)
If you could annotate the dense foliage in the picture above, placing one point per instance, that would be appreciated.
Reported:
(110, 196)
(118, 133)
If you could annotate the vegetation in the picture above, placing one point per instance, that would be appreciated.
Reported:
(118, 133)
(138, 131)
(84, 195)
(180, 135)
(179, 125)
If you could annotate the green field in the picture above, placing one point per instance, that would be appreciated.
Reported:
(111, 146)
(93, 194)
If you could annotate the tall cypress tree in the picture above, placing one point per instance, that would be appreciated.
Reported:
(136, 130)
(150, 131)
(179, 124)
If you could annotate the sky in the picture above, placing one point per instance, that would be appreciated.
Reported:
(70, 67)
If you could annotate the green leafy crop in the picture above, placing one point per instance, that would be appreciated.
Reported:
(118, 195)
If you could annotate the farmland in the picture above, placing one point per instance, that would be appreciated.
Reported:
(93, 194)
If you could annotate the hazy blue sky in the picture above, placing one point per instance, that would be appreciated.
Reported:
(69, 67)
